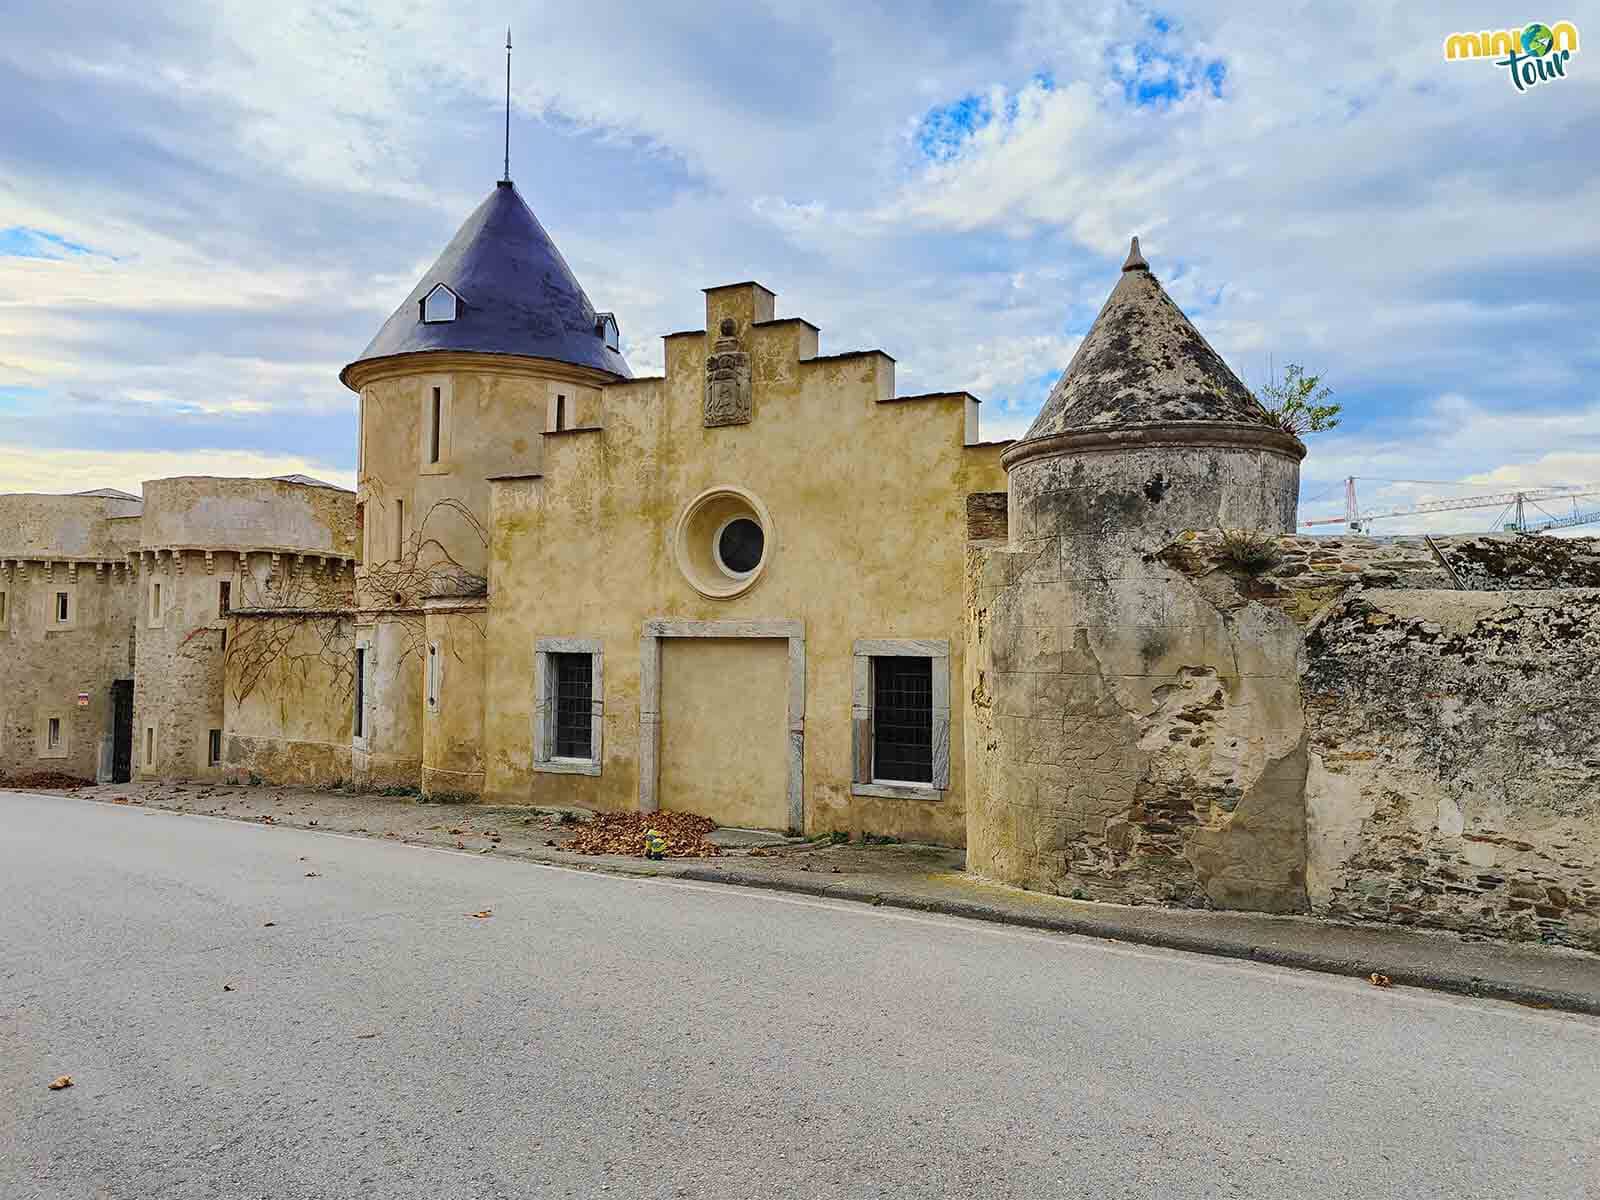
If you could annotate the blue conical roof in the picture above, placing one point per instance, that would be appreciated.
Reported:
(515, 295)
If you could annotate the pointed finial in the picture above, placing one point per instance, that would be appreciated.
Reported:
(507, 175)
(1136, 260)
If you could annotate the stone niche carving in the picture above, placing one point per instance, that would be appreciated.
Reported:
(727, 381)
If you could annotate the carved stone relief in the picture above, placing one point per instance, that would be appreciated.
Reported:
(728, 399)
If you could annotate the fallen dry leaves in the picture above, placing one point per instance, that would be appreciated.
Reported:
(623, 833)
(1378, 980)
(59, 1082)
(54, 780)
(488, 912)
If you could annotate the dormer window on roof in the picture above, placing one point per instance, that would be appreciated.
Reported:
(605, 324)
(439, 305)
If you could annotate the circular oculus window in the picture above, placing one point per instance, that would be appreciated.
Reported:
(740, 544)
(722, 541)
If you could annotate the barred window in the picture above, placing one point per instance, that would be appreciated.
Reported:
(574, 700)
(902, 719)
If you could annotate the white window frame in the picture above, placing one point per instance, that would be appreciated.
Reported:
(544, 706)
(455, 305)
(63, 747)
(361, 699)
(433, 677)
(863, 782)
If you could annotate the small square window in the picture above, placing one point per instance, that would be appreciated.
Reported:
(61, 608)
(214, 748)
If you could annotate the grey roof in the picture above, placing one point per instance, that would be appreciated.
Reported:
(109, 494)
(1143, 363)
(308, 481)
(516, 295)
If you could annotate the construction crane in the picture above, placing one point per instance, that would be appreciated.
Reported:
(1516, 504)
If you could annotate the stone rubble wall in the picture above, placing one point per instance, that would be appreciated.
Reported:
(1455, 761)
(1454, 756)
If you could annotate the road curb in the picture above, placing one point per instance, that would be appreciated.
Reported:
(1440, 980)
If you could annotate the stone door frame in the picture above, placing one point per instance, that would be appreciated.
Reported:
(793, 632)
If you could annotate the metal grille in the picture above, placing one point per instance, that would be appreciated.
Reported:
(574, 709)
(902, 719)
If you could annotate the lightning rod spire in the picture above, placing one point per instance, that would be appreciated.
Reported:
(508, 105)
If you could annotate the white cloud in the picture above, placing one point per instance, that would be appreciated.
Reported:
(270, 187)
(24, 469)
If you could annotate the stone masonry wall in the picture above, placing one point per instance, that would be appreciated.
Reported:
(1140, 734)
(1454, 762)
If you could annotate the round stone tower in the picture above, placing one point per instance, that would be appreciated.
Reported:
(1145, 731)
(66, 631)
(496, 347)
(210, 546)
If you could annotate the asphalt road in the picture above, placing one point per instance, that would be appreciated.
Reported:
(600, 1036)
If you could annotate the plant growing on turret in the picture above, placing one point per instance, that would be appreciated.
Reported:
(1297, 403)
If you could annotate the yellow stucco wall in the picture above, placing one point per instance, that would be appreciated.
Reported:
(424, 538)
(866, 496)
(726, 761)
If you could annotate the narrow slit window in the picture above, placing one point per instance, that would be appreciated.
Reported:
(561, 413)
(435, 413)
(433, 677)
(2, 610)
(52, 735)
(224, 598)
(61, 608)
(360, 725)
(155, 602)
(149, 745)
(399, 529)
(902, 719)
(214, 748)
(574, 704)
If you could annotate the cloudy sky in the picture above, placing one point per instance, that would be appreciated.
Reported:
(207, 209)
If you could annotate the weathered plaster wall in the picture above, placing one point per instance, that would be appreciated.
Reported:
(215, 513)
(178, 677)
(74, 545)
(44, 666)
(1455, 761)
(424, 532)
(289, 711)
(270, 545)
(867, 499)
(1145, 735)
(452, 733)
